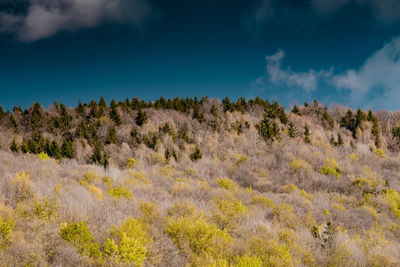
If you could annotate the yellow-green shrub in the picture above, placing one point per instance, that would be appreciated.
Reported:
(134, 176)
(299, 165)
(182, 209)
(130, 163)
(43, 156)
(96, 192)
(225, 183)
(331, 167)
(270, 252)
(119, 191)
(168, 171)
(354, 157)
(284, 213)
(46, 209)
(228, 212)
(379, 152)
(6, 228)
(23, 186)
(394, 200)
(108, 181)
(247, 261)
(128, 242)
(79, 235)
(197, 236)
(90, 177)
(262, 200)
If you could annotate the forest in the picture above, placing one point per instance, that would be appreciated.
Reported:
(199, 182)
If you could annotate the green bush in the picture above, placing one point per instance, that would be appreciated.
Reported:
(196, 237)
(226, 183)
(79, 235)
(127, 243)
(6, 228)
(228, 212)
(43, 156)
(331, 167)
(196, 155)
(119, 191)
(130, 163)
(247, 261)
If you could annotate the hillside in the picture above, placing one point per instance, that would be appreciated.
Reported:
(199, 182)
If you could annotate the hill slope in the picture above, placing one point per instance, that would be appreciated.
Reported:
(205, 182)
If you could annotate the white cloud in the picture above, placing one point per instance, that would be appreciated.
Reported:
(376, 83)
(380, 74)
(307, 80)
(45, 18)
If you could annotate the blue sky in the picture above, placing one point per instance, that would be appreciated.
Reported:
(336, 51)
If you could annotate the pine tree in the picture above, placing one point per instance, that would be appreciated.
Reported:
(141, 118)
(14, 146)
(36, 117)
(67, 149)
(339, 140)
(112, 136)
(196, 155)
(307, 134)
(296, 110)
(292, 130)
(97, 155)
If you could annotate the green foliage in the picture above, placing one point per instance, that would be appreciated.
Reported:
(130, 163)
(331, 167)
(379, 152)
(79, 235)
(90, 177)
(394, 200)
(226, 183)
(43, 156)
(295, 110)
(6, 228)
(307, 134)
(196, 155)
(141, 118)
(14, 146)
(128, 242)
(327, 118)
(269, 131)
(247, 261)
(111, 136)
(68, 149)
(292, 132)
(271, 253)
(119, 191)
(196, 237)
(228, 212)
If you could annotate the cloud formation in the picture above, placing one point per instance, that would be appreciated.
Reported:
(306, 80)
(380, 73)
(44, 18)
(375, 83)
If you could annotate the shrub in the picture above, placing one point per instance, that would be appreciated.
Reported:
(379, 152)
(23, 186)
(247, 261)
(196, 237)
(119, 191)
(46, 209)
(96, 192)
(141, 118)
(79, 235)
(354, 157)
(262, 200)
(14, 146)
(6, 228)
(331, 167)
(134, 176)
(196, 155)
(228, 212)
(130, 163)
(128, 242)
(90, 177)
(226, 183)
(43, 156)
(300, 165)
(271, 253)
(182, 209)
(394, 200)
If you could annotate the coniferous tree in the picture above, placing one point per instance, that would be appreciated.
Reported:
(97, 154)
(36, 117)
(141, 117)
(296, 110)
(196, 155)
(292, 130)
(112, 136)
(307, 134)
(339, 140)
(67, 149)
(55, 151)
(14, 146)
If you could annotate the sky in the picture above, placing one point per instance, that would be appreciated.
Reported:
(337, 51)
